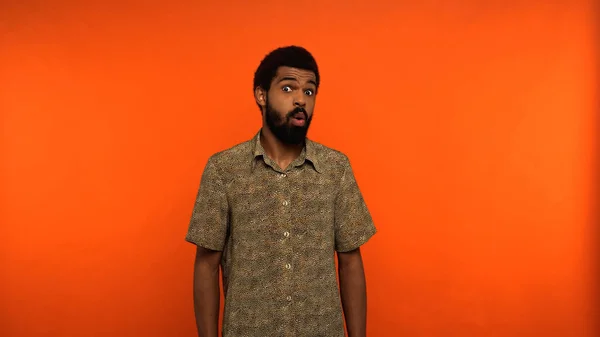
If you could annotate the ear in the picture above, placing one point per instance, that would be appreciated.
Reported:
(260, 95)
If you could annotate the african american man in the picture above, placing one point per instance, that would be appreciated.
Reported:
(271, 214)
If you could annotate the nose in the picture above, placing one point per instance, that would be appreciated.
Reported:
(299, 100)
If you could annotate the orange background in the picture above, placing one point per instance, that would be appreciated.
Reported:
(469, 124)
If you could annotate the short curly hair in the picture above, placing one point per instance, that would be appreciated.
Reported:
(289, 56)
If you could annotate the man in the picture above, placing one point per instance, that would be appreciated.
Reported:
(272, 212)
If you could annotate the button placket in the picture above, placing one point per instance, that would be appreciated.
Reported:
(286, 219)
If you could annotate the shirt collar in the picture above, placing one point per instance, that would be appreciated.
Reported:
(309, 152)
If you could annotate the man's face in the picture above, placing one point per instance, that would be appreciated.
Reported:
(290, 103)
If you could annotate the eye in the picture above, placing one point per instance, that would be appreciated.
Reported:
(286, 88)
(309, 92)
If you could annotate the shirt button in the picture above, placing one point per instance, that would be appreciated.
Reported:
(288, 266)
(286, 234)
(285, 203)
(283, 175)
(289, 298)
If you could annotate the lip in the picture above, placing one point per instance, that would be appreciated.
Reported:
(298, 121)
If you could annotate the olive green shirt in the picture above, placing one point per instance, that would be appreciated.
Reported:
(278, 231)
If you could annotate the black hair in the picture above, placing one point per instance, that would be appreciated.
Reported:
(289, 56)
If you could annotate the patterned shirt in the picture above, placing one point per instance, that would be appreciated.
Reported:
(278, 231)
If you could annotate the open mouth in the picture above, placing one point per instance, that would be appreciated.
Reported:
(298, 119)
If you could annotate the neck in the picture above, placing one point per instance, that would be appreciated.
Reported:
(283, 154)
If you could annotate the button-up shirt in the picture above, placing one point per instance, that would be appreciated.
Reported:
(279, 231)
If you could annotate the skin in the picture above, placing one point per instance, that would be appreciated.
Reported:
(290, 88)
(206, 291)
(353, 290)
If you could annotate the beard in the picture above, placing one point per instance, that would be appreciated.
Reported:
(283, 130)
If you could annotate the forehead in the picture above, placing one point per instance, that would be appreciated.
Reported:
(291, 73)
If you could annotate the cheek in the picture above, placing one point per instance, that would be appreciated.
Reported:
(277, 100)
(284, 106)
(310, 106)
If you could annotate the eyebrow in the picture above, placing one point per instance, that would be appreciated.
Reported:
(295, 80)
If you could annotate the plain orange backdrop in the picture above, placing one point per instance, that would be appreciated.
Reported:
(470, 126)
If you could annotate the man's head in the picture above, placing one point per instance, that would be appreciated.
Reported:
(285, 88)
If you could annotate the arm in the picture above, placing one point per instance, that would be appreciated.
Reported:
(206, 291)
(353, 228)
(353, 292)
(208, 230)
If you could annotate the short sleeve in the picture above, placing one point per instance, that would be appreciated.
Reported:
(353, 222)
(209, 220)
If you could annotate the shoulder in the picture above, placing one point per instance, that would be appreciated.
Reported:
(231, 158)
(330, 158)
